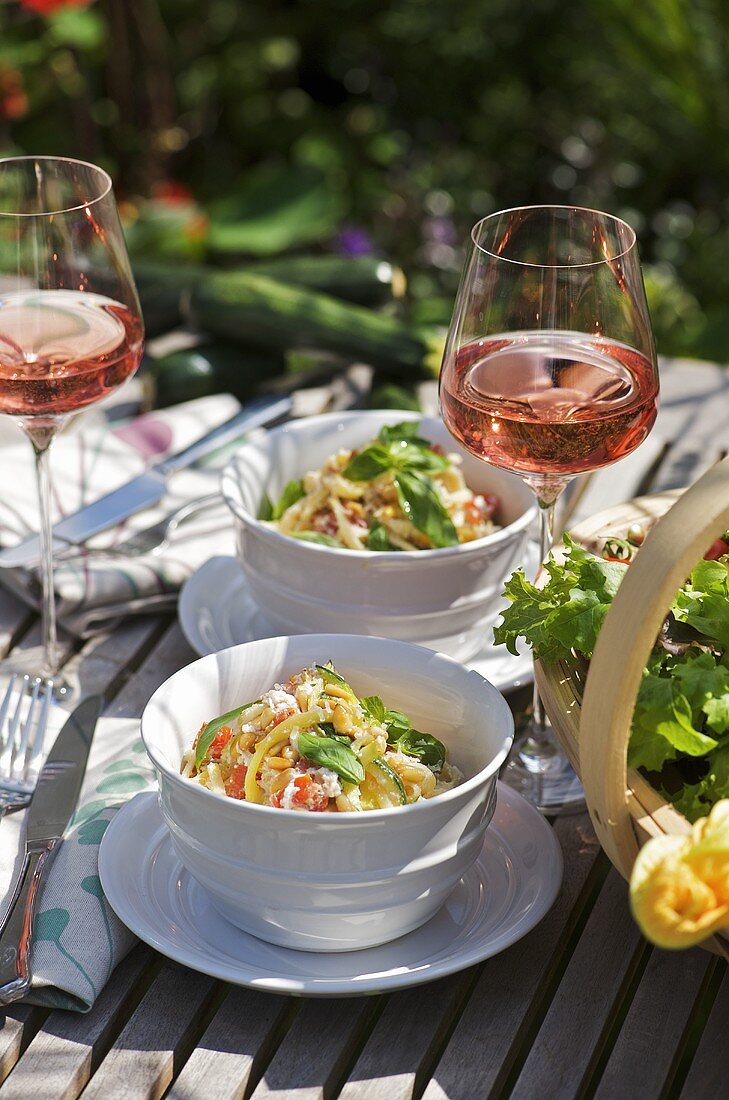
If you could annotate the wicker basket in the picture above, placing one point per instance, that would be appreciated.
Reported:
(591, 710)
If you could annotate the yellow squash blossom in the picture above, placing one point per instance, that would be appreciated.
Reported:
(679, 888)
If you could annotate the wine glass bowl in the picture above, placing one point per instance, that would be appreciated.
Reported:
(71, 328)
(550, 371)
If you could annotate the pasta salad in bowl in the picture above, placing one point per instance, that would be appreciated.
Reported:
(309, 840)
(376, 523)
(311, 744)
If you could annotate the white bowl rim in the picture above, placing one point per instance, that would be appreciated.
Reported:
(238, 510)
(349, 815)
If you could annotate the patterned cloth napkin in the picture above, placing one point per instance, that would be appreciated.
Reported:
(93, 590)
(78, 939)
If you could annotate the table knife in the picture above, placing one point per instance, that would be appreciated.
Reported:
(54, 801)
(147, 488)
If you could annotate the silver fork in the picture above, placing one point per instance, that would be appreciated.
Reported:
(21, 740)
(152, 539)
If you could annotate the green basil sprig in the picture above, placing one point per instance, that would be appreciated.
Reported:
(325, 752)
(402, 735)
(378, 538)
(423, 507)
(293, 491)
(411, 459)
(208, 735)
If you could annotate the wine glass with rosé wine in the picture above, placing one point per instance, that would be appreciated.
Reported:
(550, 371)
(70, 323)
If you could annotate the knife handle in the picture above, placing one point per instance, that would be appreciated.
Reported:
(257, 413)
(17, 930)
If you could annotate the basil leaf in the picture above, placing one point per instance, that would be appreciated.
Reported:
(328, 730)
(374, 708)
(378, 538)
(397, 724)
(405, 430)
(329, 676)
(207, 736)
(265, 508)
(423, 507)
(315, 536)
(412, 456)
(294, 491)
(368, 464)
(325, 752)
(424, 746)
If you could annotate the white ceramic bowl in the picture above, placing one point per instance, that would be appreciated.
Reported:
(439, 598)
(339, 881)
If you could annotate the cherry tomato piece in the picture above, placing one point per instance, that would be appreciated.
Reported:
(717, 550)
(219, 742)
(235, 784)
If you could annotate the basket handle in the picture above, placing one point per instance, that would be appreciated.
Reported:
(671, 550)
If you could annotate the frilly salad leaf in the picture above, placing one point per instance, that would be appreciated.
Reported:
(703, 602)
(681, 716)
(567, 613)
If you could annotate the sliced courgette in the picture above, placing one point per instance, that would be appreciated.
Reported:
(390, 780)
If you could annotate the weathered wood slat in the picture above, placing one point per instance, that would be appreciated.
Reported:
(482, 1045)
(141, 1063)
(709, 1072)
(15, 1025)
(15, 618)
(234, 1047)
(651, 1032)
(95, 669)
(411, 1026)
(569, 1039)
(616, 483)
(315, 1053)
(64, 1052)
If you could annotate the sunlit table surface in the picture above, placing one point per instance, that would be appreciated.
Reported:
(581, 1007)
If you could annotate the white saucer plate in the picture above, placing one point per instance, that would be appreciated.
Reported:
(513, 883)
(216, 610)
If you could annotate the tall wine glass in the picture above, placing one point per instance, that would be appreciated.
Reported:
(70, 324)
(549, 370)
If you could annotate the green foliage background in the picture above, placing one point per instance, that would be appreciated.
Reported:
(392, 124)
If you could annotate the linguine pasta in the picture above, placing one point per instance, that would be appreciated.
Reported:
(399, 492)
(312, 744)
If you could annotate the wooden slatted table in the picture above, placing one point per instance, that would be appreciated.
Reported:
(581, 1007)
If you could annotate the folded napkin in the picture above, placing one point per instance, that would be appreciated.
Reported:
(93, 590)
(78, 940)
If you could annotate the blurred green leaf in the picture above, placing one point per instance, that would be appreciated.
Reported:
(84, 28)
(275, 209)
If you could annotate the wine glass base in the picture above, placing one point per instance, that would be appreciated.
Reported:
(555, 790)
(29, 663)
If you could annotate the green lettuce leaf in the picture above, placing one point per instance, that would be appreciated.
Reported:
(695, 800)
(703, 602)
(567, 612)
(663, 725)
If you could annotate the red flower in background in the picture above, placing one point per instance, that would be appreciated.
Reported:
(13, 100)
(173, 193)
(48, 7)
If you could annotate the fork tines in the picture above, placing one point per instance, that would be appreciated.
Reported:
(23, 720)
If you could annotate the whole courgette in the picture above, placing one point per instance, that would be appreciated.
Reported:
(164, 289)
(255, 309)
(362, 279)
(212, 367)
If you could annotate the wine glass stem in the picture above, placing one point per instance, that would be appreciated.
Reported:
(546, 541)
(41, 449)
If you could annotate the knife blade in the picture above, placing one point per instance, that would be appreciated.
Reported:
(145, 490)
(51, 809)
